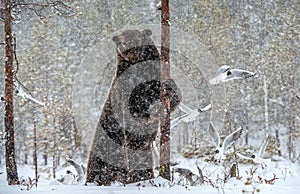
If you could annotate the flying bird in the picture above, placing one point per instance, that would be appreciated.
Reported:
(21, 92)
(226, 74)
(258, 157)
(222, 148)
(192, 114)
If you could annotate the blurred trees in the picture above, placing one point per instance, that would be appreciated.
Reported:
(260, 36)
(13, 12)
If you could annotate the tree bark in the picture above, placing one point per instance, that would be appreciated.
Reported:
(11, 167)
(165, 98)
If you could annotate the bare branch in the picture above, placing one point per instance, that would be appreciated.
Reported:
(14, 47)
(44, 8)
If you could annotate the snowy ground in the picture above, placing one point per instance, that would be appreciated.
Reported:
(288, 181)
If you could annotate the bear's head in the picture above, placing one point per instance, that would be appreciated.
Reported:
(134, 46)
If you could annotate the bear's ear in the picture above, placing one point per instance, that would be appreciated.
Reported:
(147, 32)
(115, 39)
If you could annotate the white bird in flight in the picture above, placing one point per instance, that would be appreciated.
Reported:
(258, 157)
(190, 114)
(226, 74)
(222, 148)
(21, 92)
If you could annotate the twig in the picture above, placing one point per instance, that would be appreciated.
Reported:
(271, 181)
(14, 45)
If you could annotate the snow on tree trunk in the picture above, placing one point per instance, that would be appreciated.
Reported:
(11, 167)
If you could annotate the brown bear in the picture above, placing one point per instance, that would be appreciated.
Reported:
(121, 149)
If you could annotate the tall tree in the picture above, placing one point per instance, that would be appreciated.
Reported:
(42, 9)
(11, 167)
(165, 98)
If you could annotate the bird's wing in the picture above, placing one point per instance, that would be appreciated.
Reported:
(231, 138)
(77, 167)
(29, 97)
(221, 77)
(206, 108)
(214, 135)
(216, 80)
(19, 89)
(201, 177)
(243, 156)
(62, 179)
(263, 146)
(192, 116)
(184, 108)
(25, 95)
(176, 121)
(240, 74)
(223, 69)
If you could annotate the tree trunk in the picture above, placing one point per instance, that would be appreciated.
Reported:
(35, 152)
(25, 157)
(292, 130)
(267, 131)
(278, 141)
(11, 167)
(165, 74)
(45, 157)
(76, 134)
(54, 165)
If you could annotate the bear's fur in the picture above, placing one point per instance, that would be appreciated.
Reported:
(126, 129)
